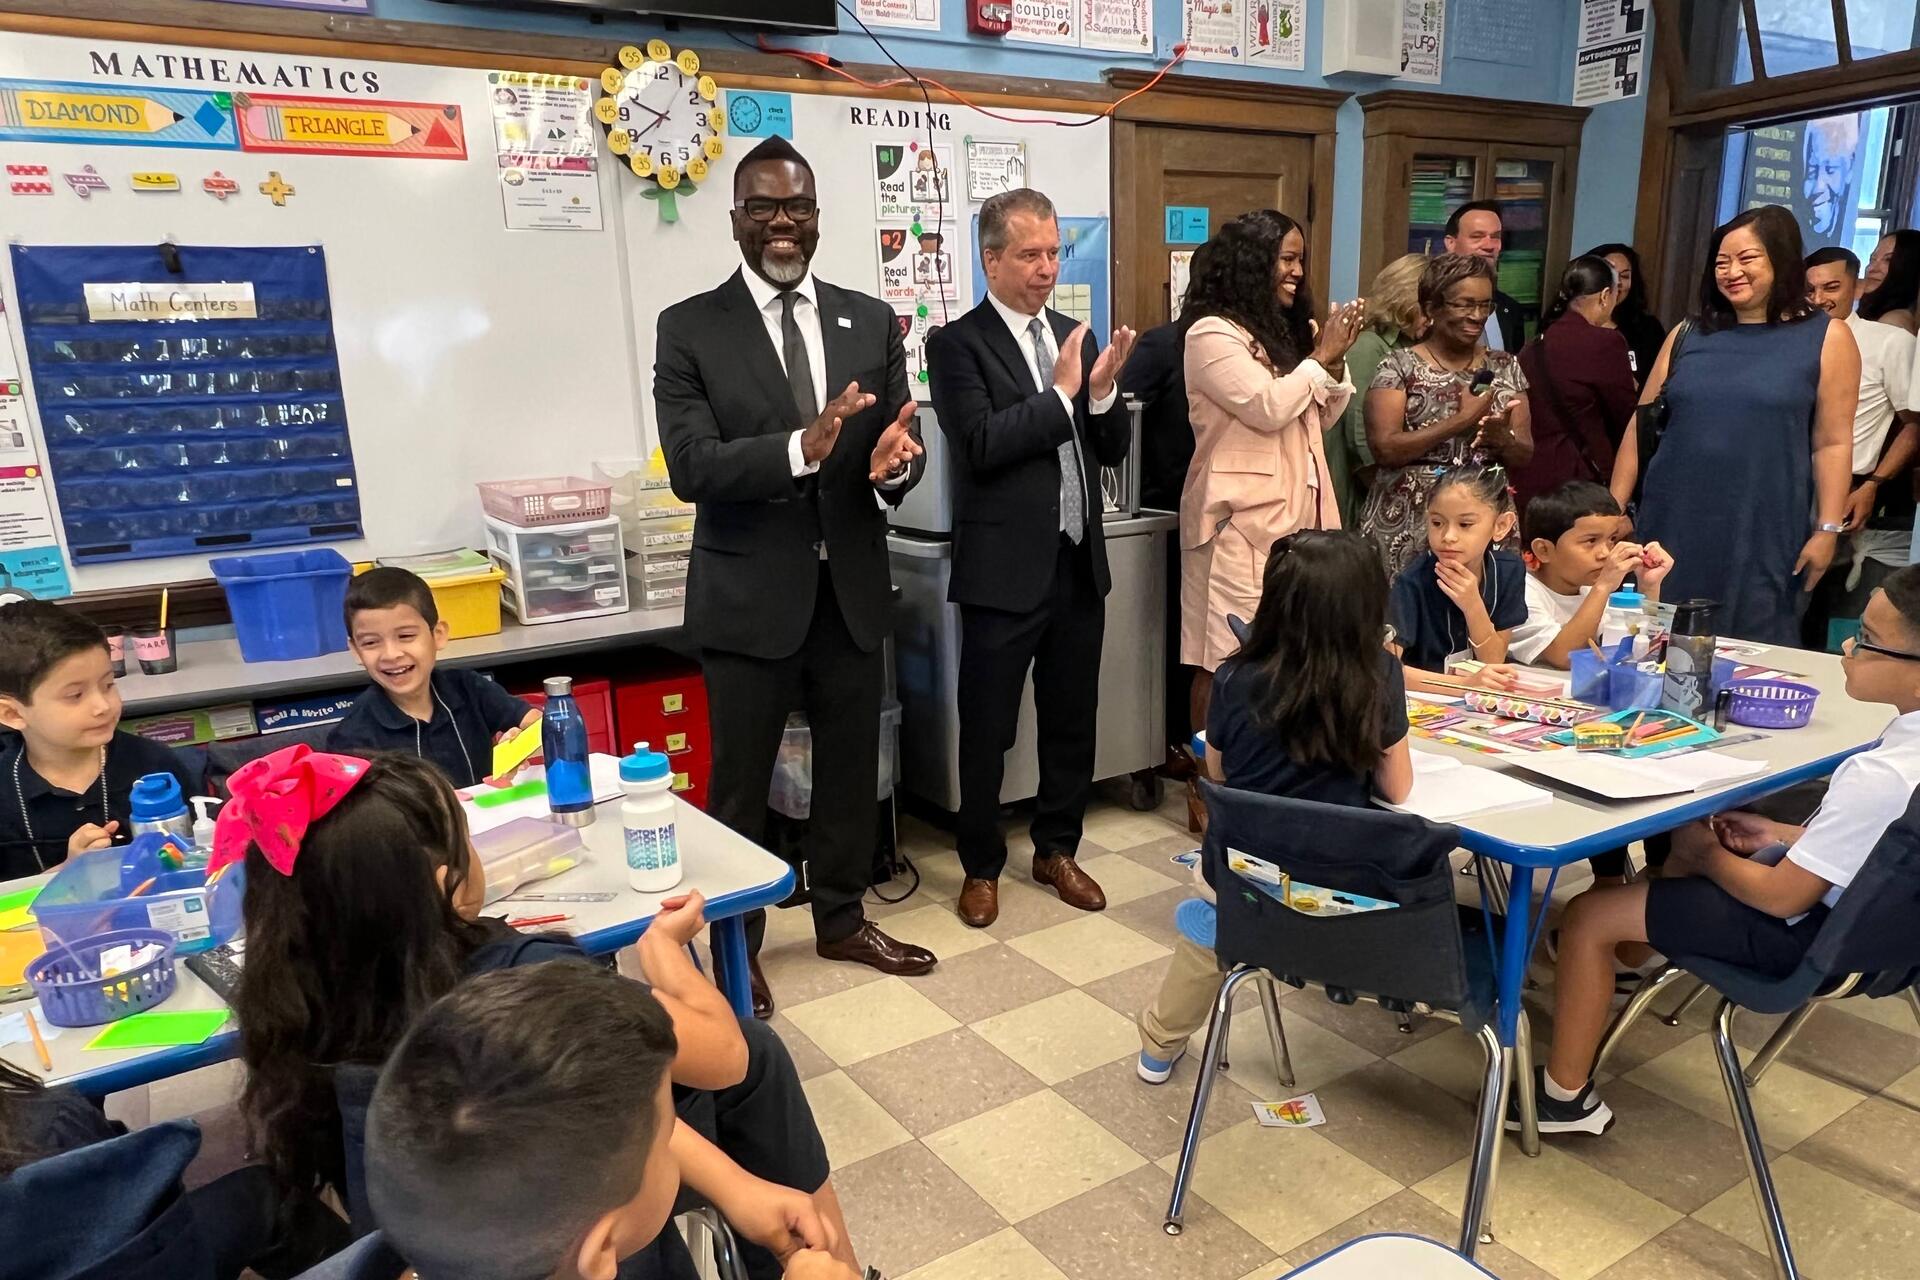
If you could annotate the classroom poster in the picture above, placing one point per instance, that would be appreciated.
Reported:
(30, 560)
(1609, 58)
(1814, 168)
(896, 266)
(933, 272)
(892, 180)
(930, 181)
(1215, 30)
(913, 15)
(1179, 276)
(1045, 22)
(1120, 26)
(546, 145)
(1503, 31)
(1276, 34)
(282, 124)
(127, 115)
(912, 182)
(917, 324)
(993, 167)
(1423, 38)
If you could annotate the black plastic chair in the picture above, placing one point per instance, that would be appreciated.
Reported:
(1417, 953)
(1868, 946)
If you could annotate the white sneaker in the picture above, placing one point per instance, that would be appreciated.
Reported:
(1153, 1070)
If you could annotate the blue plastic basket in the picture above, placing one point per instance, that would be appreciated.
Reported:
(286, 604)
(1771, 704)
(73, 994)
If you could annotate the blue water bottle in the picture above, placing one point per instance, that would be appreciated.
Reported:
(563, 741)
(162, 831)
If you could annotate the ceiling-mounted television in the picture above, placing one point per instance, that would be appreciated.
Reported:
(784, 15)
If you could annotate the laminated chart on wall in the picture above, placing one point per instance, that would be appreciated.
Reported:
(190, 397)
(133, 115)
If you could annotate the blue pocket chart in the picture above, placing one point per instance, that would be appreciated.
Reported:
(178, 436)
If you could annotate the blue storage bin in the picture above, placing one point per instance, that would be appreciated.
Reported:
(286, 604)
(87, 896)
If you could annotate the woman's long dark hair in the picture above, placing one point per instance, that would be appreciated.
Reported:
(1583, 277)
(1234, 280)
(1779, 235)
(1314, 648)
(343, 953)
(1901, 289)
(1634, 304)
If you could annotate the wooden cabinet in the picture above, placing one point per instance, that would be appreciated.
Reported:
(1428, 153)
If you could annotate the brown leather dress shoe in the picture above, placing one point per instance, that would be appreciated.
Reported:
(979, 903)
(875, 949)
(762, 993)
(1075, 887)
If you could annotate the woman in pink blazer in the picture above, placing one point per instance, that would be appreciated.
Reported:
(1262, 384)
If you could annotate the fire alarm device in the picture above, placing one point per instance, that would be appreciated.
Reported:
(989, 17)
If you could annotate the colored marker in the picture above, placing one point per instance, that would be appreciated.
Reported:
(527, 922)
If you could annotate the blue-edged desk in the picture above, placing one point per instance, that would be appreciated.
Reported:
(1576, 826)
(736, 876)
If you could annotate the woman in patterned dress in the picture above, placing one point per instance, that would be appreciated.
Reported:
(1421, 418)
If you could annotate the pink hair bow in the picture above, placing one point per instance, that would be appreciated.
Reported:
(275, 799)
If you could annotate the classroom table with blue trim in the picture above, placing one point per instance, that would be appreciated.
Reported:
(1575, 826)
(736, 875)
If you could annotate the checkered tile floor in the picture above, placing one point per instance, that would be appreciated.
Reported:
(985, 1123)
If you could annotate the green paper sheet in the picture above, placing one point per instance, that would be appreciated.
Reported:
(493, 798)
(13, 908)
(162, 1029)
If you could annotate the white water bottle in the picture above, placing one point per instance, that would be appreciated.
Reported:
(653, 848)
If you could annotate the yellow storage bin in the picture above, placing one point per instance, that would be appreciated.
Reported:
(470, 603)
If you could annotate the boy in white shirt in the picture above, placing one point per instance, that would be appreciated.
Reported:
(1577, 562)
(1739, 887)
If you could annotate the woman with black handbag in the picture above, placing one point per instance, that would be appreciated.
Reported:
(1742, 447)
(1582, 381)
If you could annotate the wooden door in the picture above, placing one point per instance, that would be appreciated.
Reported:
(1224, 171)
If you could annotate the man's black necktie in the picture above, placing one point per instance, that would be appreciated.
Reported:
(793, 351)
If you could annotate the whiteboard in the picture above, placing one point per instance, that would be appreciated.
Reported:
(470, 352)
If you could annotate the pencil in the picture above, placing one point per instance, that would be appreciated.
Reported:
(39, 1043)
(1635, 726)
(165, 594)
(527, 921)
(1666, 736)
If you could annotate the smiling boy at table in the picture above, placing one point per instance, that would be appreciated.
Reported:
(66, 770)
(1742, 888)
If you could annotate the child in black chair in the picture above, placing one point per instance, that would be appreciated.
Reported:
(1313, 708)
(1742, 888)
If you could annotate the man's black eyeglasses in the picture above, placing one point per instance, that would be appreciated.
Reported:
(762, 208)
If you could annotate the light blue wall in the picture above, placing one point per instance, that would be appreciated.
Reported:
(1610, 156)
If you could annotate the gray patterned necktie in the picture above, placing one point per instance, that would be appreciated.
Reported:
(1073, 494)
(793, 352)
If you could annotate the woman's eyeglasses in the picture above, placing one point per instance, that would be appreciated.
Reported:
(1470, 309)
(763, 208)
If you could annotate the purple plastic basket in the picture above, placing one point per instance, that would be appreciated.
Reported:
(72, 994)
(1771, 704)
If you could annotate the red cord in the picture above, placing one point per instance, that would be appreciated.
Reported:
(825, 63)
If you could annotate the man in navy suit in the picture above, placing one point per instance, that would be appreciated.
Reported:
(1032, 408)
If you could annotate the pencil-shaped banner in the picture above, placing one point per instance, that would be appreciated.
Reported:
(349, 127)
(119, 115)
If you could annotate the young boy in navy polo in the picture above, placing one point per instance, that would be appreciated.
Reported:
(1739, 887)
(452, 718)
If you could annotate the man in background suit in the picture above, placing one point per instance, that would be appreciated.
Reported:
(1031, 406)
(1476, 229)
(784, 414)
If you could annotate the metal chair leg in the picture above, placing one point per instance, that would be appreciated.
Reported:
(1217, 1031)
(1777, 1042)
(1623, 1021)
(727, 1262)
(1486, 1144)
(1528, 1103)
(1913, 998)
(1493, 885)
(1758, 1175)
(1276, 1033)
(1681, 1010)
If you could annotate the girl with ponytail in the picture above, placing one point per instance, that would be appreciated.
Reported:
(1582, 380)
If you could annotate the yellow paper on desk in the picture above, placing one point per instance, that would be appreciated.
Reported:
(515, 750)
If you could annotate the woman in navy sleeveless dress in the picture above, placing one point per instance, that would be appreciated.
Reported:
(1756, 455)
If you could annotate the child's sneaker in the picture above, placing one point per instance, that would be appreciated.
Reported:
(1585, 1114)
(1153, 1070)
